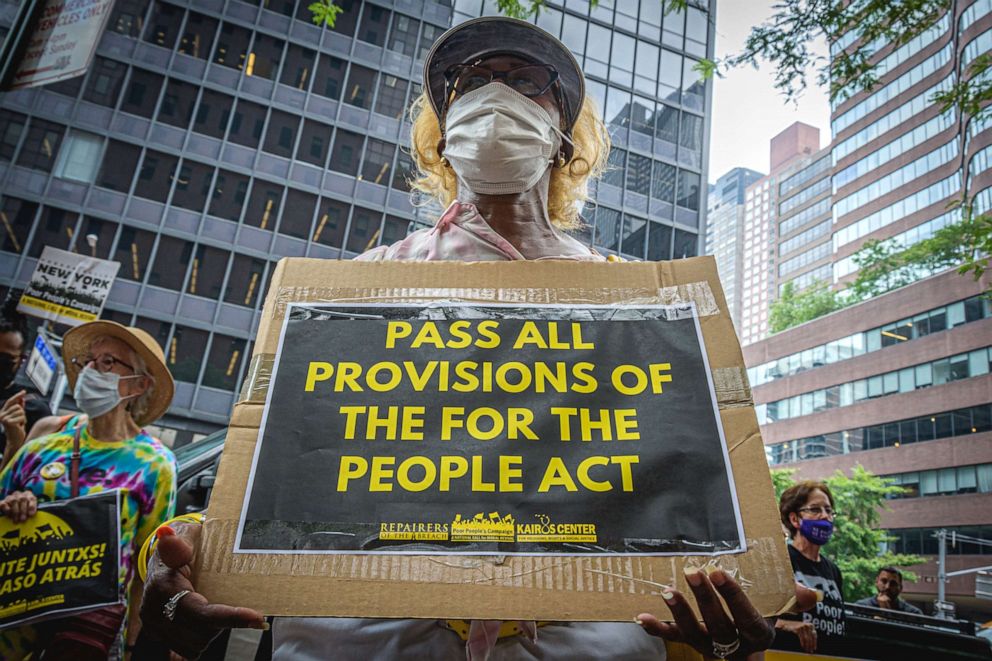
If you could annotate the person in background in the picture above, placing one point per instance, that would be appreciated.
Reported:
(118, 377)
(889, 586)
(20, 409)
(807, 512)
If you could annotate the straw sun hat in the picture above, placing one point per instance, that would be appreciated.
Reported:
(78, 340)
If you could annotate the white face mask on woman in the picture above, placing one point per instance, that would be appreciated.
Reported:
(499, 141)
(97, 392)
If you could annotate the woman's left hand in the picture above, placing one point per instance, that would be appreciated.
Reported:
(19, 506)
(736, 636)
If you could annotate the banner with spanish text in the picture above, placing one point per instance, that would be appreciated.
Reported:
(63, 560)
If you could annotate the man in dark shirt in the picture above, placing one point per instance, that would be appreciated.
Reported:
(889, 586)
(19, 409)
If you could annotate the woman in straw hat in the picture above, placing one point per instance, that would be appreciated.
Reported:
(506, 140)
(120, 381)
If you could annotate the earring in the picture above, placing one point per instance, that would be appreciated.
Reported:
(561, 160)
(445, 162)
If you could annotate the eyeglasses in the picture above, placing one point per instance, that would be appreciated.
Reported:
(103, 363)
(529, 79)
(829, 512)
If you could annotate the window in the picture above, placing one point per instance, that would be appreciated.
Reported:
(232, 46)
(330, 76)
(298, 69)
(638, 174)
(177, 104)
(263, 205)
(245, 281)
(685, 244)
(344, 156)
(607, 228)
(364, 231)
(615, 167)
(688, 190)
(104, 84)
(69, 87)
(691, 137)
(573, 33)
(103, 231)
(163, 27)
(11, 129)
(41, 145)
(428, 35)
(120, 162)
(228, 199)
(635, 232)
(213, 114)
(403, 37)
(404, 172)
(223, 362)
(281, 134)
(17, 217)
(695, 31)
(314, 141)
(56, 228)
(297, 214)
(693, 87)
(206, 274)
(347, 18)
(155, 176)
(375, 20)
(393, 230)
(192, 185)
(265, 56)
(79, 157)
(185, 353)
(284, 7)
(361, 82)
(171, 262)
(134, 248)
(331, 220)
(378, 160)
(663, 183)
(247, 123)
(198, 36)
(142, 93)
(127, 17)
(391, 100)
(670, 76)
(646, 68)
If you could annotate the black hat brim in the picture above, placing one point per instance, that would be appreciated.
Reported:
(473, 39)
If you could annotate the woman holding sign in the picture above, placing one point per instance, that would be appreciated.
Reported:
(119, 379)
(506, 140)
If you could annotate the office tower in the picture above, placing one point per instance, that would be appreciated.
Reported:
(209, 139)
(725, 232)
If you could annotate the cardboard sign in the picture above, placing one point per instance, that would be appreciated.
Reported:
(490, 430)
(68, 288)
(63, 41)
(273, 543)
(63, 560)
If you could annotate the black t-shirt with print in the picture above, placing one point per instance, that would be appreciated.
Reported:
(828, 616)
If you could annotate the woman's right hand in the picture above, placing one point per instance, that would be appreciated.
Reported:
(19, 506)
(196, 622)
(804, 630)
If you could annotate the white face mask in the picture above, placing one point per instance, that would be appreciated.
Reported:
(498, 141)
(97, 393)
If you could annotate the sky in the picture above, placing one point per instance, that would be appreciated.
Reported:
(747, 109)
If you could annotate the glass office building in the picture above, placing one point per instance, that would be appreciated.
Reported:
(210, 138)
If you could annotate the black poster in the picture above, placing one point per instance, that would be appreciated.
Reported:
(63, 560)
(487, 429)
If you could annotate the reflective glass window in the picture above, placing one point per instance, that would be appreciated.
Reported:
(198, 36)
(364, 230)
(56, 228)
(192, 185)
(265, 56)
(133, 251)
(164, 24)
(247, 123)
(11, 129)
(128, 17)
(378, 160)
(298, 69)
(232, 46)
(171, 263)
(330, 77)
(391, 99)
(346, 152)
(230, 191)
(142, 92)
(104, 83)
(663, 183)
(403, 36)
(120, 162)
(659, 242)
(332, 217)
(213, 113)
(314, 143)
(297, 214)
(79, 157)
(375, 21)
(177, 104)
(245, 280)
(155, 176)
(263, 205)
(361, 84)
(688, 190)
(280, 136)
(607, 228)
(223, 362)
(185, 353)
(41, 145)
(206, 274)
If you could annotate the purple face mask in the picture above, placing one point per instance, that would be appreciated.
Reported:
(817, 531)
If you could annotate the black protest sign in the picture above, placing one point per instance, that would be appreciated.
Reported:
(62, 560)
(452, 428)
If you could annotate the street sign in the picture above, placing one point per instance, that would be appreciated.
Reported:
(61, 41)
(68, 288)
(944, 609)
(42, 364)
(983, 585)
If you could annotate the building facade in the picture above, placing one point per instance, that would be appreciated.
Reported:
(210, 138)
(899, 383)
(780, 204)
(725, 233)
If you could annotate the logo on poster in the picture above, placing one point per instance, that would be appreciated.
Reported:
(482, 528)
(546, 531)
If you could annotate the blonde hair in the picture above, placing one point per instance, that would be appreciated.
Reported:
(568, 189)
